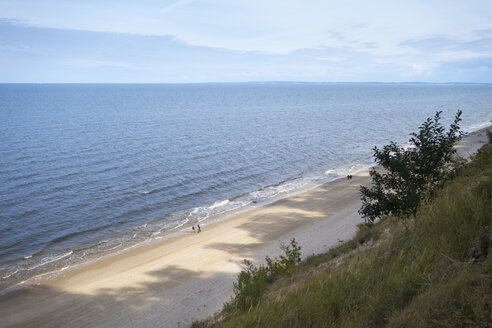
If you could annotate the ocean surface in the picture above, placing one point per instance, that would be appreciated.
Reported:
(87, 170)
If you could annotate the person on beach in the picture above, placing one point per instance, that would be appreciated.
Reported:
(193, 228)
(199, 229)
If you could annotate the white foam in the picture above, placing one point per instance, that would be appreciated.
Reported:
(180, 224)
(357, 168)
(10, 275)
(50, 261)
(479, 126)
(219, 204)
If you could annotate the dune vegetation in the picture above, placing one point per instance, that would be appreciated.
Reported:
(432, 268)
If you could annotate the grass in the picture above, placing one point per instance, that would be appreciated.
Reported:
(432, 270)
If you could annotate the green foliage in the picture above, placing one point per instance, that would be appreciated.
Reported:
(253, 281)
(418, 273)
(251, 284)
(409, 174)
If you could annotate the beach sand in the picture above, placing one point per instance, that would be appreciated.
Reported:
(189, 277)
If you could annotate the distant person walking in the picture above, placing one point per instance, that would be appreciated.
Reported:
(193, 228)
(199, 229)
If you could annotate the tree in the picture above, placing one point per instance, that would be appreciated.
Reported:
(410, 173)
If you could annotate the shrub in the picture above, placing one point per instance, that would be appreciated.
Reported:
(409, 174)
(253, 281)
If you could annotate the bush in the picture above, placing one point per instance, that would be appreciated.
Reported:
(253, 281)
(409, 174)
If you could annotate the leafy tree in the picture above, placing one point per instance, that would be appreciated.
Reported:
(408, 174)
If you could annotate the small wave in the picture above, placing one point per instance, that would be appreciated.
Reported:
(9, 275)
(50, 261)
(278, 189)
(478, 126)
(162, 188)
(357, 168)
(32, 255)
(99, 244)
(22, 177)
(78, 233)
(219, 204)
(107, 169)
(180, 224)
(235, 197)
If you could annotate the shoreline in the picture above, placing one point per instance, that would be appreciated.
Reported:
(20, 275)
(176, 231)
(188, 277)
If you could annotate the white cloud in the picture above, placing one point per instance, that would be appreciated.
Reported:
(267, 26)
(266, 40)
(417, 67)
(94, 63)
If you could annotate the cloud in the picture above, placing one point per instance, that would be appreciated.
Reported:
(277, 27)
(417, 67)
(58, 55)
(482, 63)
(478, 45)
(90, 63)
(438, 50)
(431, 44)
(484, 32)
(202, 41)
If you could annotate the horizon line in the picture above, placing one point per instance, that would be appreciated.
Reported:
(252, 82)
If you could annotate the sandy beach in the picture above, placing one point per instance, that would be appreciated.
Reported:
(189, 277)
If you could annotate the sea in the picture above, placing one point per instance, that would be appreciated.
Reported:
(90, 170)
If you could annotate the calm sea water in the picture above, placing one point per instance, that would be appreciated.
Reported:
(86, 170)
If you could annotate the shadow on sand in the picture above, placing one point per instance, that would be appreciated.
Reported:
(174, 296)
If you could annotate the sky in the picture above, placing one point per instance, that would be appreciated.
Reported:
(189, 41)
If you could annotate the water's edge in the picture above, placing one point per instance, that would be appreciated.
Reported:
(191, 217)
